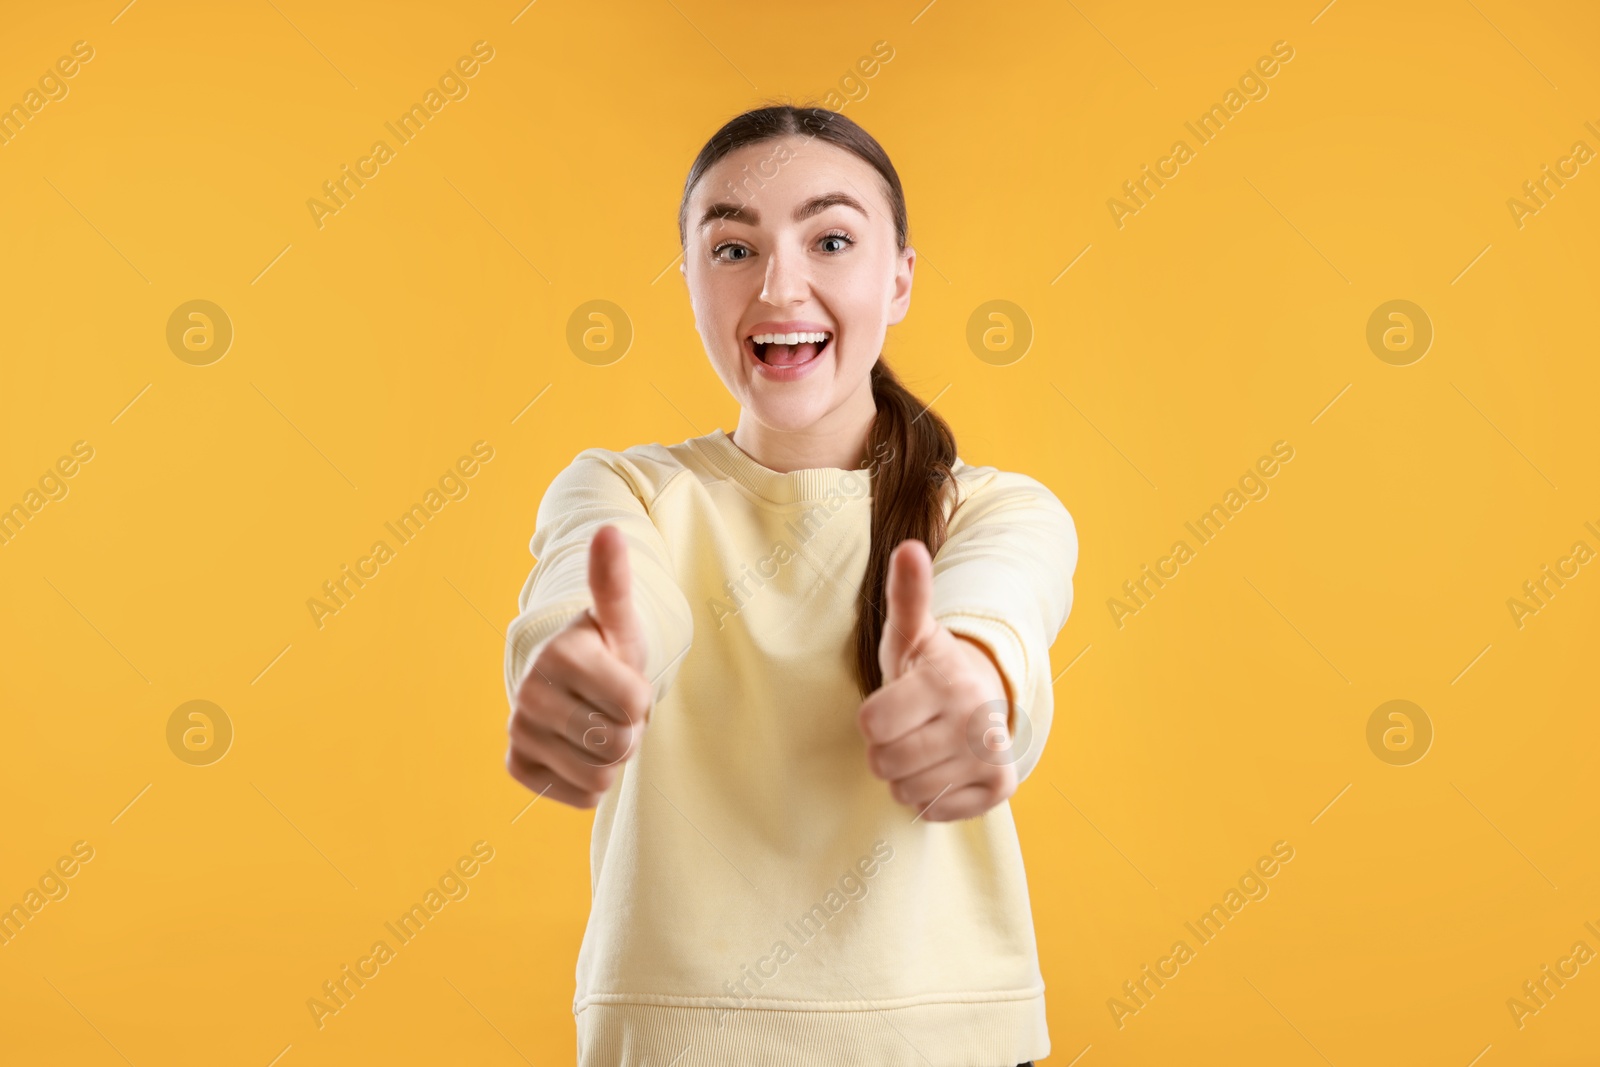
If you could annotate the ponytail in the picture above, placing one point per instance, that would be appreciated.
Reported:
(912, 452)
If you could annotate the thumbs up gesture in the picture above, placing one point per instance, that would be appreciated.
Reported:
(583, 704)
(941, 702)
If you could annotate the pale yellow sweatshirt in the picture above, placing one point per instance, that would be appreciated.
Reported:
(758, 897)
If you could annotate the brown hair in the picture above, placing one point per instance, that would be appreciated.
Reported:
(911, 448)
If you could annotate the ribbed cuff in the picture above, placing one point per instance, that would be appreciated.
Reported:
(1006, 645)
(525, 635)
(1001, 640)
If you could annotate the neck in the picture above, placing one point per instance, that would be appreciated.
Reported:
(838, 439)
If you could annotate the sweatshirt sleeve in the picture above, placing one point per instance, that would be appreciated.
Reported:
(599, 487)
(1004, 578)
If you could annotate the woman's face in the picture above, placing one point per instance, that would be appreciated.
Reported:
(799, 239)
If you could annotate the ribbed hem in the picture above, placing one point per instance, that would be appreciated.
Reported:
(958, 1033)
(778, 487)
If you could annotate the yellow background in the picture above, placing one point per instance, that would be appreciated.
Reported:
(429, 312)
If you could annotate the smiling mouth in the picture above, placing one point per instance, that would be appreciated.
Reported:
(776, 350)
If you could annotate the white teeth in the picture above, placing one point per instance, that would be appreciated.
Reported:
(789, 338)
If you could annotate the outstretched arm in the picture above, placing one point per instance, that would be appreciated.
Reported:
(1003, 579)
(966, 646)
(597, 489)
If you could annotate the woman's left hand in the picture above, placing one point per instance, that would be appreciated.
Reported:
(932, 727)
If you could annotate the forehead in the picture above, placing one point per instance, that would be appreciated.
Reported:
(767, 181)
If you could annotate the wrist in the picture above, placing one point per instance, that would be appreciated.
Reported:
(988, 665)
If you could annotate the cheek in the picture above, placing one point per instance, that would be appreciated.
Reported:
(718, 326)
(862, 324)
(857, 354)
(860, 294)
(715, 317)
(721, 298)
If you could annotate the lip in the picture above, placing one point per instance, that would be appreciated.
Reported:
(788, 326)
(787, 374)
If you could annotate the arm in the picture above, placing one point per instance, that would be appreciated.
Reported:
(1003, 581)
(597, 488)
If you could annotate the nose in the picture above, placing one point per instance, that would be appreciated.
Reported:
(786, 280)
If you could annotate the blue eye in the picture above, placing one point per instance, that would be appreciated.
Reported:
(716, 253)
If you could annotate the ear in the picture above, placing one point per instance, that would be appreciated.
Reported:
(900, 304)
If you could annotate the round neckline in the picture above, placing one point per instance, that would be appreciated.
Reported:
(808, 484)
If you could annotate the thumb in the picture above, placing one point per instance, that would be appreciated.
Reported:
(909, 600)
(611, 584)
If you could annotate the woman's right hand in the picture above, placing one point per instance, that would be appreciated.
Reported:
(583, 703)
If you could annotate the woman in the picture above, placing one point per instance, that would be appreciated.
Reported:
(797, 729)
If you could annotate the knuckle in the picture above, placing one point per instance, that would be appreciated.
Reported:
(529, 699)
(538, 689)
(598, 779)
(603, 696)
(968, 695)
(631, 704)
(529, 712)
(867, 721)
(616, 746)
(588, 729)
(558, 655)
(520, 770)
(643, 697)
(531, 690)
(606, 743)
(953, 738)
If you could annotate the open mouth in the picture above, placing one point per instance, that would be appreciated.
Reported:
(789, 349)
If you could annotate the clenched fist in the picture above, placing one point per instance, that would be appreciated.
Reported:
(583, 704)
(932, 728)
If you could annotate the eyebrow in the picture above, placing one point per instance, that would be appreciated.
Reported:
(729, 212)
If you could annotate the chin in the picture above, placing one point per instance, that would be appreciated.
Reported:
(790, 413)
